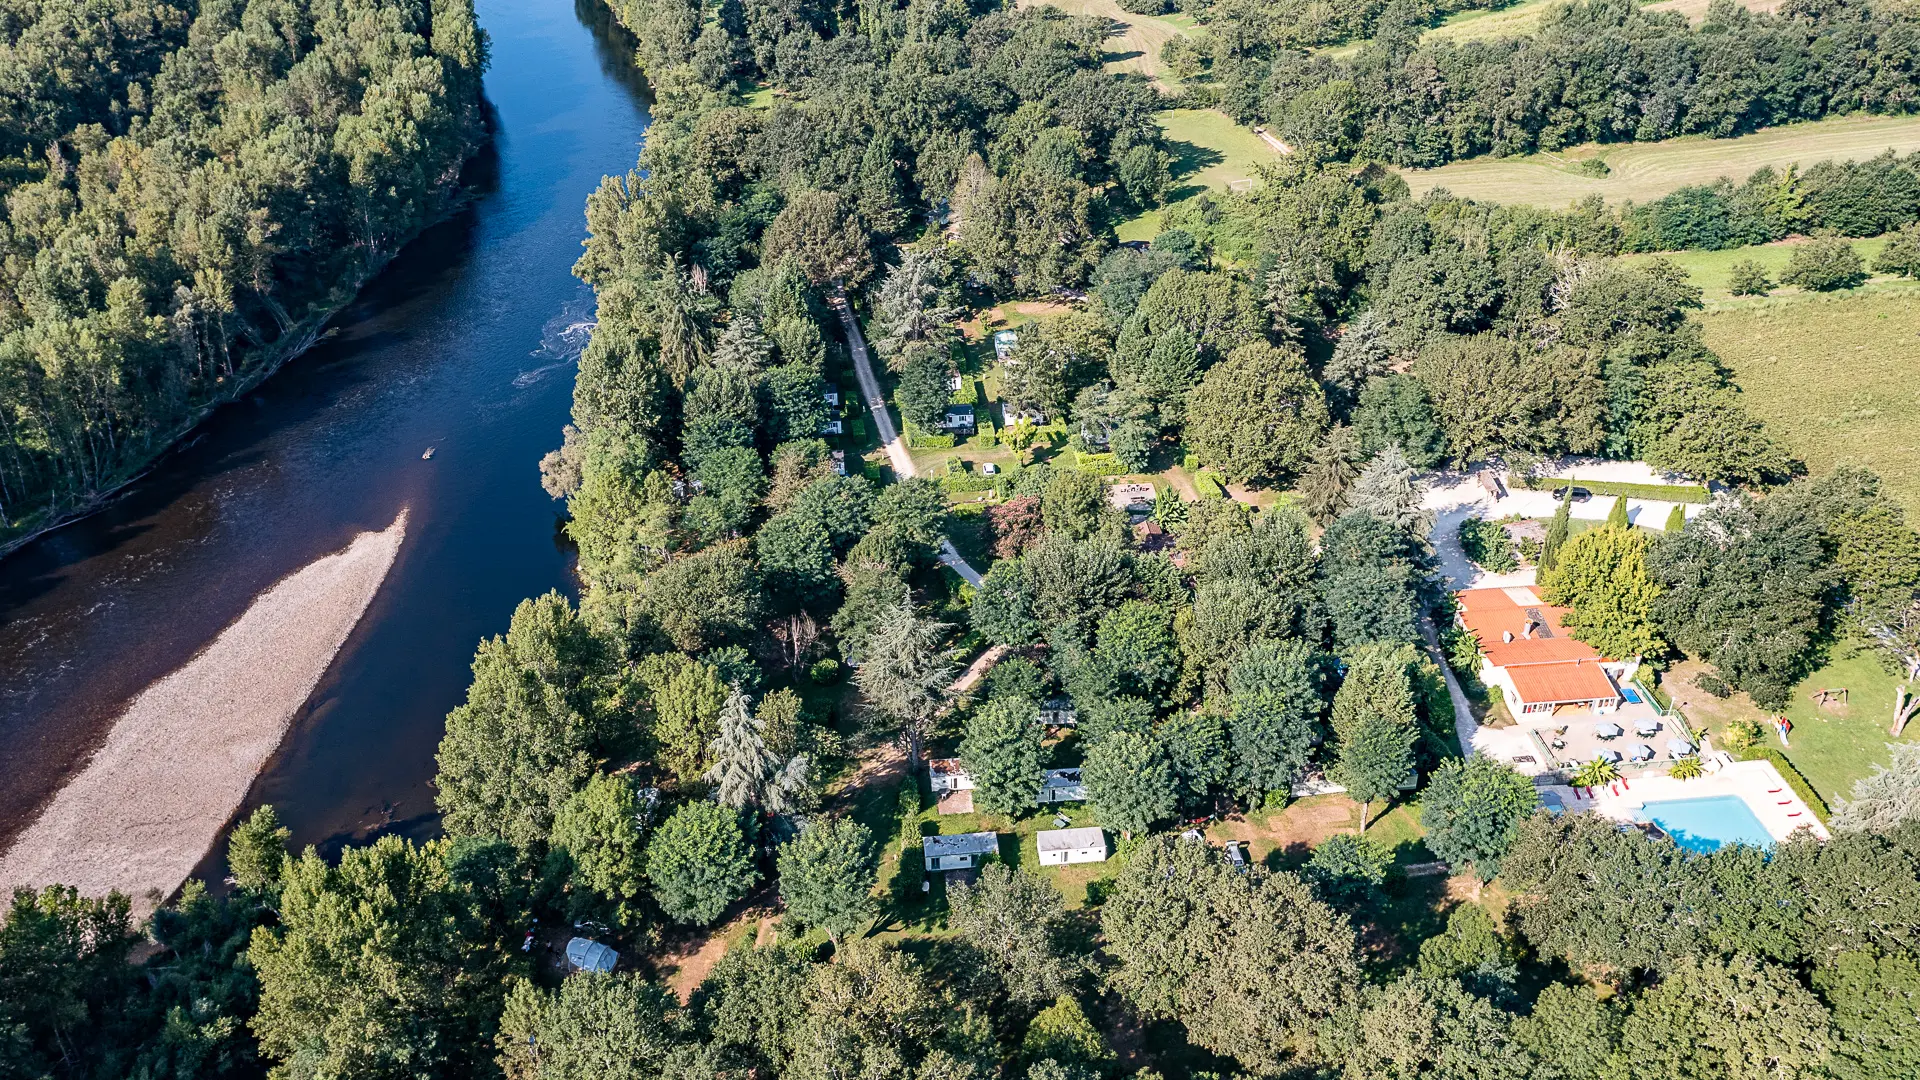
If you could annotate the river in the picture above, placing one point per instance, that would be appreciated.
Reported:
(465, 344)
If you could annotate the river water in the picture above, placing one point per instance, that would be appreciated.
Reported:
(464, 344)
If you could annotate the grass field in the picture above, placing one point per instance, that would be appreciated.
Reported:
(1646, 171)
(1831, 746)
(1711, 269)
(1515, 21)
(1834, 377)
(1210, 150)
(1137, 39)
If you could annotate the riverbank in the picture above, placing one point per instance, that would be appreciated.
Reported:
(182, 757)
(290, 346)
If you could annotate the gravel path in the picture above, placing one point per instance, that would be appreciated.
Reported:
(883, 422)
(179, 761)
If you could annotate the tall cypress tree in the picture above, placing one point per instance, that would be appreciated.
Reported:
(1557, 531)
(1677, 518)
(1617, 517)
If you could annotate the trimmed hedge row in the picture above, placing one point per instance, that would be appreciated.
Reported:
(1209, 485)
(1098, 464)
(1683, 493)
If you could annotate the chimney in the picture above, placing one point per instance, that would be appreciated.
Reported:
(1526, 630)
(1506, 636)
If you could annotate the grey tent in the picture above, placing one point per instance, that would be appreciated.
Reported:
(1647, 726)
(1679, 747)
(586, 954)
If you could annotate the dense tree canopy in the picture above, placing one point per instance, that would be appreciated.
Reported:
(191, 190)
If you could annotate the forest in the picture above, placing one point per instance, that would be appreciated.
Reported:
(191, 189)
(1594, 71)
(758, 632)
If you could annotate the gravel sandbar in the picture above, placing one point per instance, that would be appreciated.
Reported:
(180, 759)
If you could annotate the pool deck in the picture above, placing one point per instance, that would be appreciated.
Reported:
(1756, 783)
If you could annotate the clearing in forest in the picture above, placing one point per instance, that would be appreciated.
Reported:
(1641, 172)
(1136, 43)
(1833, 377)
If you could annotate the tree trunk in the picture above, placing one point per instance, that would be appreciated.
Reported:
(1905, 704)
(1364, 807)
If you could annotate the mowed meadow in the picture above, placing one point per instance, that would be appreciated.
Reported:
(1645, 171)
(1836, 376)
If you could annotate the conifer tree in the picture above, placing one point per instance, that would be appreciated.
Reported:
(1557, 532)
(1617, 517)
(1676, 518)
(747, 774)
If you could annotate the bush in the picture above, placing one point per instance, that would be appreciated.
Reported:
(1098, 464)
(1713, 684)
(1594, 167)
(1824, 264)
(1742, 734)
(1902, 253)
(1748, 278)
(919, 439)
(1487, 544)
(1209, 485)
(825, 672)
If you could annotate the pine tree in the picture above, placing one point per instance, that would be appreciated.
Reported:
(1617, 517)
(1328, 475)
(1557, 532)
(747, 774)
(741, 761)
(1386, 489)
(904, 674)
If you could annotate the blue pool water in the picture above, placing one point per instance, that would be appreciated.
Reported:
(1632, 696)
(1705, 825)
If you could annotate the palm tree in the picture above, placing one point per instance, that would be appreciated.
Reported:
(1596, 773)
(1687, 768)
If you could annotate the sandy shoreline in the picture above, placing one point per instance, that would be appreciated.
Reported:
(181, 757)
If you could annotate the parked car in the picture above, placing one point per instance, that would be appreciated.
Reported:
(1580, 494)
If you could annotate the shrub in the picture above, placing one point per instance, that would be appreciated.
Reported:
(1902, 253)
(825, 671)
(1486, 543)
(1742, 734)
(1209, 485)
(1098, 464)
(1713, 684)
(1823, 264)
(1594, 167)
(1748, 278)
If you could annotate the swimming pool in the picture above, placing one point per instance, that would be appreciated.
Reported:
(1632, 695)
(1708, 824)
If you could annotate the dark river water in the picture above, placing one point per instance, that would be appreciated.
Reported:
(465, 344)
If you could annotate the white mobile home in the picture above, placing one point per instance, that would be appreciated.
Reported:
(1060, 847)
(1061, 785)
(948, 774)
(962, 852)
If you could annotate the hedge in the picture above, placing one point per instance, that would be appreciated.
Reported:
(1209, 485)
(1791, 775)
(920, 440)
(1098, 464)
(1684, 493)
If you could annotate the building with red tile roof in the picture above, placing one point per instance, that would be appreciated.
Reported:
(1526, 651)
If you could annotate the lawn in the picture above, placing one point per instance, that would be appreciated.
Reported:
(1833, 376)
(1136, 39)
(1711, 269)
(1210, 150)
(1646, 171)
(1832, 746)
(1518, 20)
